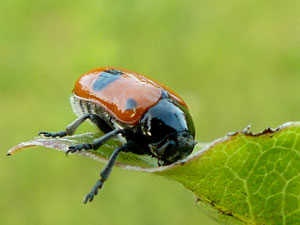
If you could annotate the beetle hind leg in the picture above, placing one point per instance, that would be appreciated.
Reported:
(72, 127)
(70, 130)
(53, 134)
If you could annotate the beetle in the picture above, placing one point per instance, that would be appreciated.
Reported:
(152, 118)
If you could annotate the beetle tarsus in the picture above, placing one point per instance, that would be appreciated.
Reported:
(53, 134)
(90, 196)
(104, 173)
(75, 148)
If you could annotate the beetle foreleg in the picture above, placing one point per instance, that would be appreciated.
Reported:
(104, 174)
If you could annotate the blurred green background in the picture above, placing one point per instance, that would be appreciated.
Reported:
(235, 63)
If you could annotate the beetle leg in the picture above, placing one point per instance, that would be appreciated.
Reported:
(104, 174)
(53, 134)
(96, 143)
(72, 127)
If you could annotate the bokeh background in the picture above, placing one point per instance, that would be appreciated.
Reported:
(234, 62)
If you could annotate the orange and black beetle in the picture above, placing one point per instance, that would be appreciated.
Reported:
(153, 119)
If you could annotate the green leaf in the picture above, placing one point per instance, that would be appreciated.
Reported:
(243, 178)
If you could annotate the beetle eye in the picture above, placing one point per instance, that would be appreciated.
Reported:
(164, 150)
(168, 152)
